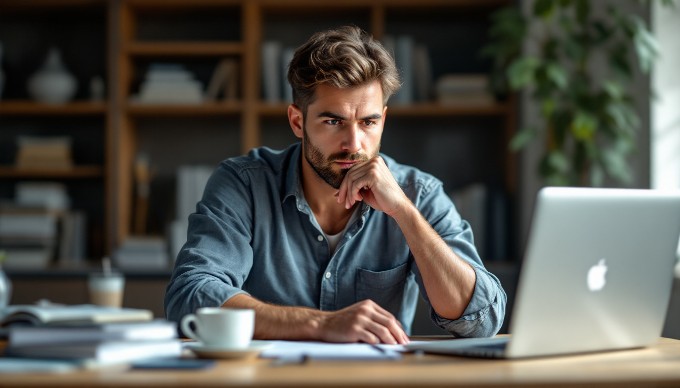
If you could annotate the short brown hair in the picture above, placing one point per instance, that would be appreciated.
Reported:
(343, 57)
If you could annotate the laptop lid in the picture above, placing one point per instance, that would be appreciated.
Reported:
(597, 272)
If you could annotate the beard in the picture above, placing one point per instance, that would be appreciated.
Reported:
(323, 166)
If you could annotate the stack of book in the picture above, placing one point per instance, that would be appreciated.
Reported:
(91, 335)
(28, 236)
(142, 253)
(466, 89)
(169, 83)
(52, 153)
(50, 195)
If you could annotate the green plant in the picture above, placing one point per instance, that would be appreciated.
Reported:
(579, 76)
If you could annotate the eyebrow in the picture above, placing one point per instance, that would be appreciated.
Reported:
(339, 117)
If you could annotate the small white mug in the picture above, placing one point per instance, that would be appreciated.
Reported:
(221, 327)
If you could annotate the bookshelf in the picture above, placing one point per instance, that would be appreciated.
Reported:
(28, 29)
(123, 39)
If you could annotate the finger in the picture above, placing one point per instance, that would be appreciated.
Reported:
(386, 319)
(384, 334)
(358, 182)
(367, 337)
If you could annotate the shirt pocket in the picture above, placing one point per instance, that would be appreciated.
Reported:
(386, 288)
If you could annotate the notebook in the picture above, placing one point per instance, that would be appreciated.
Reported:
(597, 275)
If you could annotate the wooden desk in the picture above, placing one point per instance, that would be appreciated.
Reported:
(655, 366)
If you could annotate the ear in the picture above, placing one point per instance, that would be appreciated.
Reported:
(296, 120)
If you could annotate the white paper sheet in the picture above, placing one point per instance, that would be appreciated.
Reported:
(301, 350)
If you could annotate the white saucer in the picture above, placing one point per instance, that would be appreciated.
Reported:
(207, 351)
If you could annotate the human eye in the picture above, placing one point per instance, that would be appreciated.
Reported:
(332, 122)
(370, 123)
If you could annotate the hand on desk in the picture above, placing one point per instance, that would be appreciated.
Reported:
(364, 321)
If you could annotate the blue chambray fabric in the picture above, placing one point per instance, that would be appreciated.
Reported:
(253, 232)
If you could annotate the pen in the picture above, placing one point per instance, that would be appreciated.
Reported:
(387, 353)
(300, 359)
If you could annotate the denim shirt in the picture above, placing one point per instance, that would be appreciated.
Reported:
(253, 232)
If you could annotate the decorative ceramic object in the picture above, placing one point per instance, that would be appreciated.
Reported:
(52, 83)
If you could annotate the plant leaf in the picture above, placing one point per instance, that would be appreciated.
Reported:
(522, 138)
(544, 8)
(646, 47)
(557, 74)
(583, 126)
(521, 72)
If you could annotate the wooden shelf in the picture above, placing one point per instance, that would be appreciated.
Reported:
(206, 109)
(383, 3)
(21, 107)
(77, 172)
(198, 34)
(164, 49)
(415, 110)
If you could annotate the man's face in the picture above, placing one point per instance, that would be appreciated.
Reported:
(342, 127)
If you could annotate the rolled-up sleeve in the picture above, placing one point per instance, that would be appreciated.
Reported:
(484, 315)
(216, 259)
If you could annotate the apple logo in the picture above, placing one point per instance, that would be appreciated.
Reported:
(596, 276)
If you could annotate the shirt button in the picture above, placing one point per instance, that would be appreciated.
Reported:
(319, 237)
(328, 275)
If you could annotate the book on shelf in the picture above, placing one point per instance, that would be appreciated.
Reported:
(50, 152)
(403, 56)
(155, 330)
(44, 314)
(415, 68)
(286, 56)
(422, 73)
(72, 238)
(224, 81)
(100, 352)
(271, 71)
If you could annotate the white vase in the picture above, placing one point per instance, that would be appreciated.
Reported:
(52, 83)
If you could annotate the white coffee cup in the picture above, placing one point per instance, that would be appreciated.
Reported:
(106, 289)
(221, 327)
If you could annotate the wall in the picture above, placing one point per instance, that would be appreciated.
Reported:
(665, 127)
(665, 118)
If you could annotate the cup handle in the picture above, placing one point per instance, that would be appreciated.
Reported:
(186, 326)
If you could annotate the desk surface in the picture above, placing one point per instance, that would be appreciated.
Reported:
(658, 365)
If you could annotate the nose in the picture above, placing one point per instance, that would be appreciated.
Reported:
(351, 142)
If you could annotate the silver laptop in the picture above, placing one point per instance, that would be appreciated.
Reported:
(597, 275)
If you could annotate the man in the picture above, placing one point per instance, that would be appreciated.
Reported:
(330, 240)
